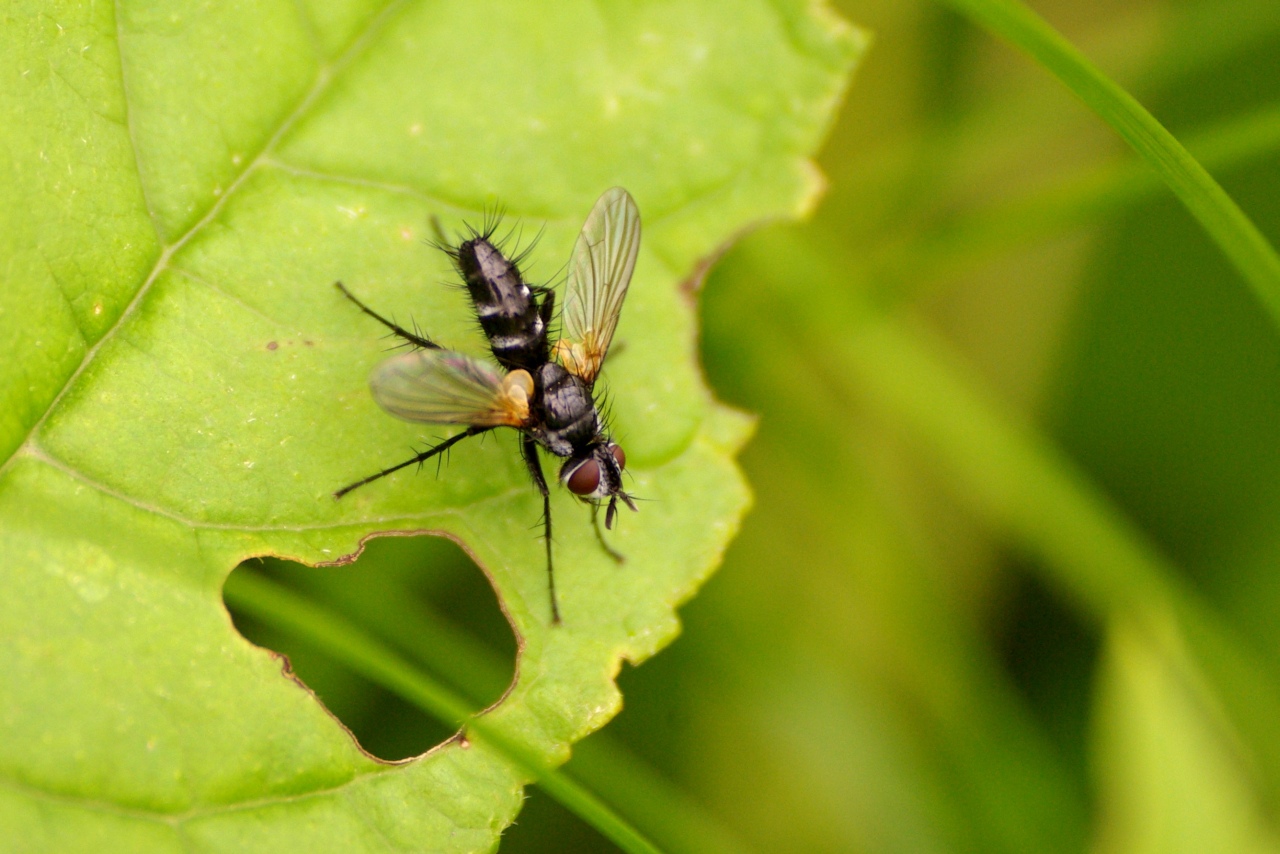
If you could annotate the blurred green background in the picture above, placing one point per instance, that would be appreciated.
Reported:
(909, 648)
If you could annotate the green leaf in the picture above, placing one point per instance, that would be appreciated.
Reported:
(182, 388)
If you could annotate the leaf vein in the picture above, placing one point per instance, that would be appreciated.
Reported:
(129, 127)
(223, 292)
(41, 455)
(309, 26)
(325, 77)
(431, 198)
(176, 820)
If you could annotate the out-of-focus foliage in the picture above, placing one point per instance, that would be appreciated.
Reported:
(883, 663)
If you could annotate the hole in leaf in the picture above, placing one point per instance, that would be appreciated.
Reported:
(422, 599)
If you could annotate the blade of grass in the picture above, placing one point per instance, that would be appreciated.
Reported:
(1012, 476)
(1233, 231)
(279, 606)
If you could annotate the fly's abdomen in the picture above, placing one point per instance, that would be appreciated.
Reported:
(506, 306)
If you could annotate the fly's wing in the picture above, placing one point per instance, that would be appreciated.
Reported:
(599, 273)
(444, 387)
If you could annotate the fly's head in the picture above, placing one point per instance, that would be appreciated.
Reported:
(595, 474)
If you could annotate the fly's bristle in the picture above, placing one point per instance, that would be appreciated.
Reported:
(519, 258)
(501, 243)
(559, 277)
(400, 343)
(604, 407)
(417, 330)
(451, 252)
(493, 217)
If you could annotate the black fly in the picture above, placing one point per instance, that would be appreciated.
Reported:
(545, 391)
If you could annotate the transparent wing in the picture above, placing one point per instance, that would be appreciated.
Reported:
(444, 387)
(599, 273)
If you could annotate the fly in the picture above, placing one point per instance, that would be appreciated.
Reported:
(543, 390)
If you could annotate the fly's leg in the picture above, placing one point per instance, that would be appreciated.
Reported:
(529, 450)
(442, 240)
(547, 309)
(420, 458)
(595, 524)
(412, 337)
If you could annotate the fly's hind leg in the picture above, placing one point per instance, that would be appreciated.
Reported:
(397, 330)
(529, 450)
(420, 458)
(595, 524)
(442, 240)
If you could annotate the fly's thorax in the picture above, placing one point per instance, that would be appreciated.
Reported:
(566, 410)
(505, 305)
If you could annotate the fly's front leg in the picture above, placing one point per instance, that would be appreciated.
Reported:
(595, 524)
(529, 450)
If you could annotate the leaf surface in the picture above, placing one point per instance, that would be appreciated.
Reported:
(182, 388)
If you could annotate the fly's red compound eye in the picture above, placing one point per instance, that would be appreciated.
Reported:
(619, 455)
(585, 478)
